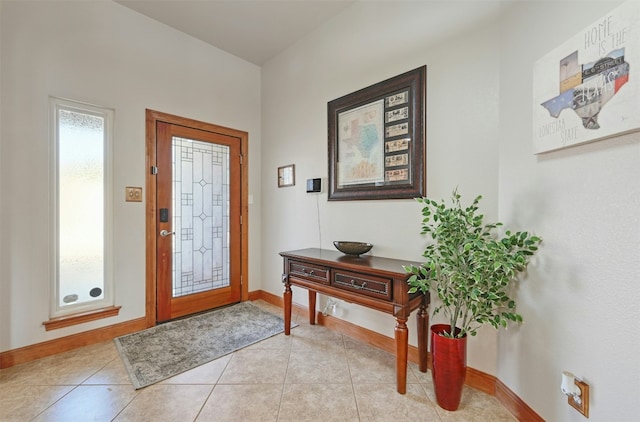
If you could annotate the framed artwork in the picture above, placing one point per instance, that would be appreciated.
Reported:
(286, 175)
(588, 88)
(377, 140)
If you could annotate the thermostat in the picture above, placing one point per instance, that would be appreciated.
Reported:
(314, 185)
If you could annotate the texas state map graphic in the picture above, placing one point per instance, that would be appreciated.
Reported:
(587, 88)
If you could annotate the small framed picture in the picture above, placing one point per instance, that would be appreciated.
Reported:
(286, 175)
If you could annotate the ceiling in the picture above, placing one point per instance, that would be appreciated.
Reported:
(254, 30)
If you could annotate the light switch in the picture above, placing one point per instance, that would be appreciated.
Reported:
(133, 194)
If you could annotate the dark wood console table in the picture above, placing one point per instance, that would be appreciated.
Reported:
(374, 282)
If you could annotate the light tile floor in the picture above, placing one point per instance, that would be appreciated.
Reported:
(314, 374)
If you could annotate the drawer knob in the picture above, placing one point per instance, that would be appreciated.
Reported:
(353, 284)
(312, 272)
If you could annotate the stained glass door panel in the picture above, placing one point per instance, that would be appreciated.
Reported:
(201, 216)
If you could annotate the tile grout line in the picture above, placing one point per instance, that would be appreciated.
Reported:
(75, 387)
(284, 379)
(353, 388)
(213, 387)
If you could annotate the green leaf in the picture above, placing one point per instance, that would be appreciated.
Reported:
(467, 265)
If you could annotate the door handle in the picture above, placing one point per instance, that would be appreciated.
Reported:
(165, 233)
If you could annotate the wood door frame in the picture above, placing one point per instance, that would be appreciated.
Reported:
(152, 117)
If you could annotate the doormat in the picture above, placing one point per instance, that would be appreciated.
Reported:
(169, 349)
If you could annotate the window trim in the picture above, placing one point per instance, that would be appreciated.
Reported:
(97, 307)
(79, 318)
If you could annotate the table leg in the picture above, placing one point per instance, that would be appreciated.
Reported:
(402, 347)
(423, 334)
(287, 304)
(312, 307)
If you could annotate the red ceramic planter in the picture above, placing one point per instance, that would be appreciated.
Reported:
(449, 366)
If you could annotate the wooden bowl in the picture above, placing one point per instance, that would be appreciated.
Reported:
(352, 248)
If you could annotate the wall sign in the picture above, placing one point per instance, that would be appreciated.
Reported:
(589, 88)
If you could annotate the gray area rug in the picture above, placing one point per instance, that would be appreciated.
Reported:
(169, 349)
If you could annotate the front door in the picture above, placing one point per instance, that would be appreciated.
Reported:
(198, 219)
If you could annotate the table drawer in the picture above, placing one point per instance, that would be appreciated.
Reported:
(377, 287)
(309, 272)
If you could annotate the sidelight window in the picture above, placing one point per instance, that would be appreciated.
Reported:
(81, 197)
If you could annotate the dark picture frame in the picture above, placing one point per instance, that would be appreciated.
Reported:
(377, 140)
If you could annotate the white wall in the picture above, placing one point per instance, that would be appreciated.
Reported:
(4, 304)
(102, 53)
(581, 302)
(366, 44)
